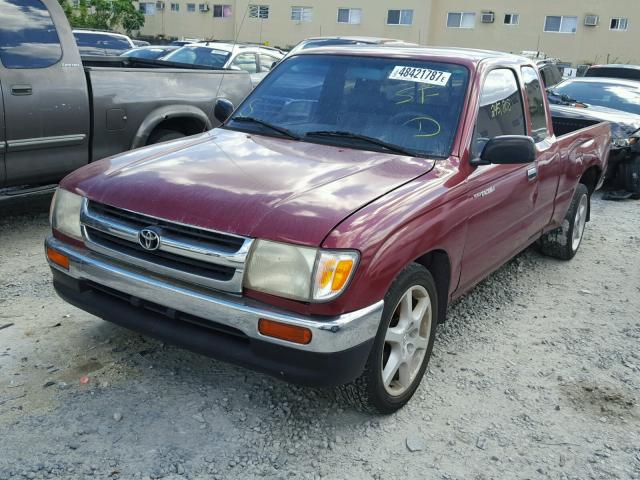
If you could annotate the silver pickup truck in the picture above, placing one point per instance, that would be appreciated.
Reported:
(58, 112)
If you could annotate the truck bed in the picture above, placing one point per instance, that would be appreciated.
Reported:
(128, 97)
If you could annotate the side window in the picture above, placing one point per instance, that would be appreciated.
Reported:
(266, 61)
(28, 37)
(533, 91)
(116, 43)
(246, 62)
(501, 111)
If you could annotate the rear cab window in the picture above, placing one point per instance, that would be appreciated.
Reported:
(28, 37)
(537, 112)
(501, 110)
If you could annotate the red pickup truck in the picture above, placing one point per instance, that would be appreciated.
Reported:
(319, 234)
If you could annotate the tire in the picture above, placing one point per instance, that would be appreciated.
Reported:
(564, 241)
(629, 175)
(164, 135)
(395, 342)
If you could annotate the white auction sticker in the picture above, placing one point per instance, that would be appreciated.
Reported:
(421, 75)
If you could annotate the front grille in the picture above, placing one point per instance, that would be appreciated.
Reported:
(228, 243)
(187, 254)
(169, 260)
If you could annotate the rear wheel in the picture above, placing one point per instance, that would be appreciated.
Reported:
(563, 242)
(629, 175)
(164, 135)
(402, 347)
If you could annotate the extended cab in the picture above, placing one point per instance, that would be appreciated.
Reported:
(320, 233)
(59, 112)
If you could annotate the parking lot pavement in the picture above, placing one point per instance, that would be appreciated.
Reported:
(535, 375)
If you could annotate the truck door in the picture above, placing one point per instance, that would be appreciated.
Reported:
(501, 197)
(3, 144)
(45, 94)
(548, 163)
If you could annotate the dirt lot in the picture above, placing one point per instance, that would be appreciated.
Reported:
(535, 375)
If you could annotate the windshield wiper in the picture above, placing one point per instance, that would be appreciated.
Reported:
(356, 136)
(275, 128)
(566, 99)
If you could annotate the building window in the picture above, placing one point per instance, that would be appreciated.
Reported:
(175, 7)
(222, 11)
(399, 17)
(258, 11)
(619, 23)
(560, 24)
(301, 14)
(511, 19)
(350, 15)
(191, 7)
(148, 8)
(461, 20)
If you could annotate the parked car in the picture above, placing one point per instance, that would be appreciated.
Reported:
(316, 42)
(96, 42)
(320, 233)
(61, 112)
(626, 72)
(550, 72)
(140, 43)
(150, 52)
(256, 60)
(182, 43)
(586, 101)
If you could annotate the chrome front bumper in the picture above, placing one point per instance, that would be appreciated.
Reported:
(329, 334)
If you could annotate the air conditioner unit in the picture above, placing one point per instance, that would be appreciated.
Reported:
(204, 7)
(160, 6)
(591, 20)
(488, 17)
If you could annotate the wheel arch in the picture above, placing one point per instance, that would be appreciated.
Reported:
(186, 119)
(439, 265)
(590, 179)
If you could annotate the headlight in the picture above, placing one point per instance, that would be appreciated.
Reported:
(65, 213)
(620, 142)
(299, 273)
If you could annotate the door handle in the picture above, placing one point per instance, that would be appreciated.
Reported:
(532, 173)
(21, 90)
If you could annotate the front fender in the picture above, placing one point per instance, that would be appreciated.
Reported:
(161, 114)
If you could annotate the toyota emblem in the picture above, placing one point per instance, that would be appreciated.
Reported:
(149, 239)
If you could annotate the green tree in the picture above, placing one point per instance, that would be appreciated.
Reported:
(104, 14)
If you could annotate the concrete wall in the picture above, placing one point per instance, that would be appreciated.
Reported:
(588, 45)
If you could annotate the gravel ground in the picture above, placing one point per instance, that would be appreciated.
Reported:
(535, 375)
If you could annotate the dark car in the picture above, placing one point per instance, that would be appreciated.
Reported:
(586, 101)
(151, 52)
(93, 42)
(625, 72)
(550, 73)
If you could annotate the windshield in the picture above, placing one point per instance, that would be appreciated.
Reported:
(602, 94)
(409, 104)
(151, 53)
(205, 56)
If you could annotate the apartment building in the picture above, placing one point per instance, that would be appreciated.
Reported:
(575, 31)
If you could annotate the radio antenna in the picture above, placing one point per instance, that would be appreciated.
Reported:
(224, 72)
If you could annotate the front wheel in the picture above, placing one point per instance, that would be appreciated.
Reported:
(564, 241)
(403, 344)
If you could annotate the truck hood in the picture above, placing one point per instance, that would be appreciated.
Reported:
(247, 184)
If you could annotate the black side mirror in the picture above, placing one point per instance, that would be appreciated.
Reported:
(223, 109)
(507, 149)
(273, 65)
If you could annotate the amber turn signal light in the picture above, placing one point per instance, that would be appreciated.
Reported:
(58, 258)
(283, 331)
